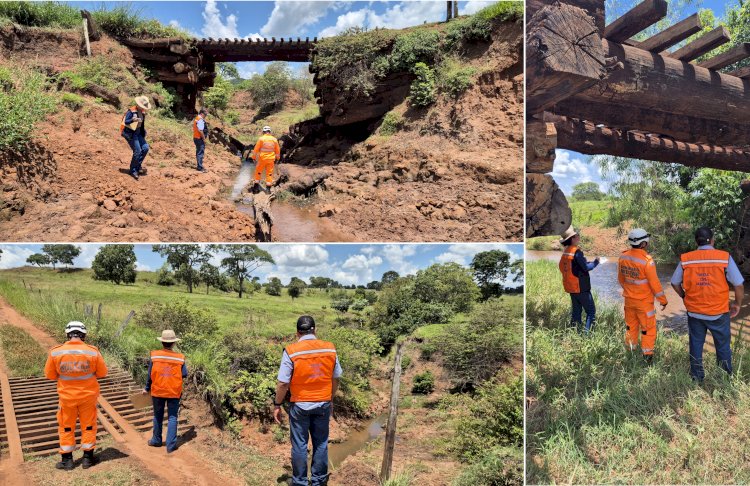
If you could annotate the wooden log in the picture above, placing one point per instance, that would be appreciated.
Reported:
(94, 32)
(741, 73)
(733, 55)
(180, 67)
(152, 43)
(681, 127)
(588, 138)
(547, 210)
(635, 20)
(594, 8)
(541, 140)
(648, 80)
(106, 95)
(564, 55)
(13, 438)
(390, 429)
(702, 45)
(179, 48)
(144, 55)
(672, 35)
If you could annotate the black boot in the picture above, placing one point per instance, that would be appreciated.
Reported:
(66, 462)
(89, 459)
(649, 359)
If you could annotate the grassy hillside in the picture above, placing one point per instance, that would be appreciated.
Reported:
(599, 415)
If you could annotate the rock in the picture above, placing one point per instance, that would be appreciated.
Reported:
(109, 205)
(327, 211)
(87, 196)
(120, 222)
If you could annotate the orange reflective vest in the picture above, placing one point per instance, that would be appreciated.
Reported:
(267, 149)
(122, 123)
(636, 272)
(197, 133)
(312, 379)
(705, 281)
(166, 373)
(76, 366)
(571, 284)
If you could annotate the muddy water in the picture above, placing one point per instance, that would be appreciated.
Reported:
(356, 440)
(290, 222)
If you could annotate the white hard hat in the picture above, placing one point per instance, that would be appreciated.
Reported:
(266, 128)
(638, 236)
(75, 326)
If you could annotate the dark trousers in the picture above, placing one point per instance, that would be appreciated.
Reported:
(304, 425)
(173, 409)
(200, 148)
(140, 149)
(580, 302)
(721, 332)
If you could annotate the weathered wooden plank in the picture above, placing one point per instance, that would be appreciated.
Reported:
(564, 55)
(145, 55)
(11, 427)
(594, 8)
(733, 55)
(741, 73)
(152, 43)
(702, 45)
(672, 35)
(635, 20)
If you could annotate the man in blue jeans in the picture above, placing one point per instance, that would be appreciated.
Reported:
(166, 372)
(575, 272)
(702, 280)
(310, 370)
(133, 130)
(199, 137)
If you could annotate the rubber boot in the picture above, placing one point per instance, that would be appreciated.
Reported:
(649, 359)
(89, 459)
(66, 462)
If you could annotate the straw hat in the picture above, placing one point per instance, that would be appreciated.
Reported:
(168, 336)
(143, 103)
(569, 233)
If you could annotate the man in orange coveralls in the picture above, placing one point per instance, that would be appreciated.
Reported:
(265, 153)
(76, 366)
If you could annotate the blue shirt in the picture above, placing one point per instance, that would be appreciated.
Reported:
(734, 277)
(148, 380)
(287, 368)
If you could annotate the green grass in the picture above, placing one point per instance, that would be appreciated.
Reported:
(25, 100)
(505, 11)
(589, 213)
(23, 356)
(601, 416)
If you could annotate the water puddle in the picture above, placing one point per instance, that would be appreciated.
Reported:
(356, 441)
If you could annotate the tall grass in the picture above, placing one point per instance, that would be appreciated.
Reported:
(599, 415)
(22, 355)
(25, 99)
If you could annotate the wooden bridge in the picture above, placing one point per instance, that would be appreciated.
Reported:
(190, 64)
(594, 89)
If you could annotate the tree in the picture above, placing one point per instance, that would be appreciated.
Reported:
(183, 259)
(341, 304)
(274, 287)
(374, 285)
(490, 270)
(64, 254)
(323, 283)
(516, 270)
(296, 288)
(272, 85)
(389, 277)
(38, 259)
(298, 281)
(115, 263)
(587, 191)
(447, 283)
(228, 70)
(164, 276)
(242, 261)
(210, 275)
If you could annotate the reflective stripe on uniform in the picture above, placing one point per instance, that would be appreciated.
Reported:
(691, 262)
(312, 351)
(647, 350)
(74, 351)
(633, 259)
(569, 254)
(87, 446)
(651, 313)
(181, 360)
(637, 282)
(659, 294)
(67, 448)
(72, 378)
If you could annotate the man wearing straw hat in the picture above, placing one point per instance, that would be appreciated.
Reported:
(133, 129)
(166, 372)
(575, 272)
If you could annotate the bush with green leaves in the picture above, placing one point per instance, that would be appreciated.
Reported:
(273, 287)
(341, 304)
(271, 85)
(453, 77)
(359, 305)
(414, 47)
(251, 394)
(164, 276)
(192, 324)
(25, 100)
(422, 89)
(498, 466)
(216, 98)
(72, 101)
(392, 122)
(424, 383)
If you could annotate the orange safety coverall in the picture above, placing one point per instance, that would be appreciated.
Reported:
(314, 363)
(76, 366)
(266, 153)
(636, 272)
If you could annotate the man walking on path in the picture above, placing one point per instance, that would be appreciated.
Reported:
(575, 272)
(199, 137)
(166, 372)
(133, 129)
(266, 153)
(702, 280)
(310, 370)
(76, 366)
(636, 272)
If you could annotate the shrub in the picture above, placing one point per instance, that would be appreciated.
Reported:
(217, 96)
(164, 276)
(422, 89)
(506, 11)
(341, 304)
(499, 466)
(405, 362)
(72, 101)
(232, 117)
(24, 101)
(271, 86)
(359, 304)
(208, 367)
(454, 78)
(391, 123)
(250, 353)
(424, 383)
(274, 287)
(41, 14)
(250, 394)
(414, 47)
(192, 324)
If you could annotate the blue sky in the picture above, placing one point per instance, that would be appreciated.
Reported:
(347, 263)
(289, 18)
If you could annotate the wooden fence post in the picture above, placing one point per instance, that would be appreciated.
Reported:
(86, 36)
(98, 315)
(124, 323)
(390, 430)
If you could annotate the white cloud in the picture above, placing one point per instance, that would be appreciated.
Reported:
(398, 257)
(14, 256)
(397, 16)
(290, 18)
(474, 6)
(572, 168)
(88, 252)
(142, 267)
(463, 253)
(355, 18)
(298, 256)
(248, 69)
(214, 25)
